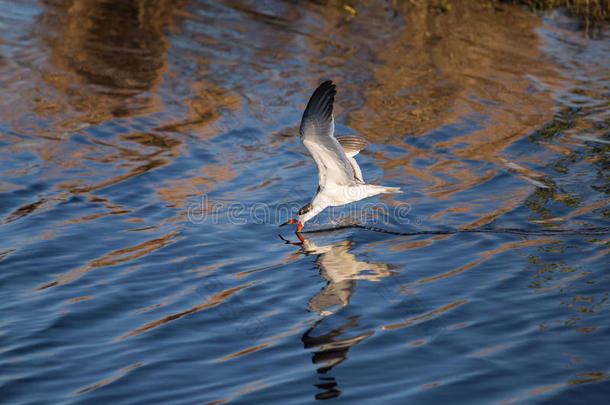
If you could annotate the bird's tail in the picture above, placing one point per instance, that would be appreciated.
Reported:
(373, 189)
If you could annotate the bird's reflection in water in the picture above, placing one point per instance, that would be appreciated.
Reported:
(331, 349)
(341, 269)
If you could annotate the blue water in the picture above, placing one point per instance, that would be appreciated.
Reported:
(149, 151)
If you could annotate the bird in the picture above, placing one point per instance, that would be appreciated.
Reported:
(340, 179)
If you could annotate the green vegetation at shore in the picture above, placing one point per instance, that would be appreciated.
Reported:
(594, 10)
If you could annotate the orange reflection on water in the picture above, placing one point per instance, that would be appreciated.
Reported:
(585, 378)
(244, 352)
(108, 380)
(430, 385)
(113, 258)
(178, 191)
(78, 299)
(108, 50)
(416, 244)
(167, 300)
(424, 317)
(517, 195)
(438, 72)
(250, 387)
(287, 333)
(508, 246)
(447, 274)
(212, 301)
(485, 352)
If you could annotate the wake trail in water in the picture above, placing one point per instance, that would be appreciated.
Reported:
(514, 231)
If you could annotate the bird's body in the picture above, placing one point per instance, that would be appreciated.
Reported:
(340, 179)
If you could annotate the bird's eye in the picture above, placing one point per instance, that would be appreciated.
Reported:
(305, 209)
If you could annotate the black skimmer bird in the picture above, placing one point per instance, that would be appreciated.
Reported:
(340, 177)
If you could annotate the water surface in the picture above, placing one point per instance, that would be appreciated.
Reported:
(150, 149)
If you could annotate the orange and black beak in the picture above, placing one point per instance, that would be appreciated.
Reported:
(294, 221)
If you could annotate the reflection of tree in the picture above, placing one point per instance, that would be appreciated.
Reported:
(106, 60)
(107, 50)
(117, 44)
(439, 68)
(452, 92)
(552, 273)
(341, 269)
(560, 200)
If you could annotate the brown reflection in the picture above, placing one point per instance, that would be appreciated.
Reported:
(424, 317)
(131, 154)
(468, 81)
(250, 387)
(206, 107)
(212, 301)
(107, 51)
(105, 59)
(113, 258)
(485, 352)
(583, 378)
(570, 283)
(108, 380)
(25, 210)
(441, 66)
(244, 352)
(78, 299)
(198, 183)
(486, 255)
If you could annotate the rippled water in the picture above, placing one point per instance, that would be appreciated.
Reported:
(149, 149)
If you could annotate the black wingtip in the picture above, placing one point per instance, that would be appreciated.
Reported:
(326, 83)
(325, 92)
(320, 105)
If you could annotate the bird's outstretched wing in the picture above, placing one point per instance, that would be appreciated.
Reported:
(352, 144)
(317, 128)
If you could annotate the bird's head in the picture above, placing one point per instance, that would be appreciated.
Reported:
(305, 214)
